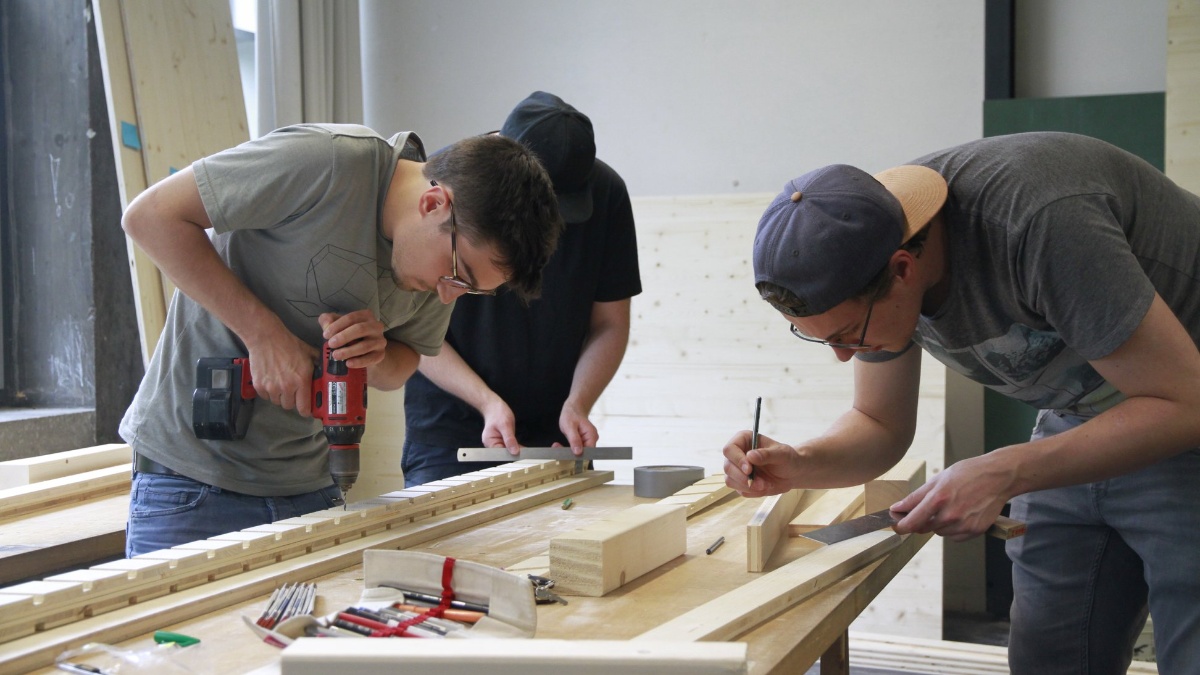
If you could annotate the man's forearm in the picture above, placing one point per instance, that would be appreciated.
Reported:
(398, 364)
(169, 224)
(599, 360)
(1131, 435)
(854, 450)
(449, 371)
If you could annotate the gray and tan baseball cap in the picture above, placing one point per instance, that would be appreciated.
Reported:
(833, 229)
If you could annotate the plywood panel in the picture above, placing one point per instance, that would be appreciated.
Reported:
(174, 96)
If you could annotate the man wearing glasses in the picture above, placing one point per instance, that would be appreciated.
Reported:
(322, 233)
(1054, 269)
(510, 374)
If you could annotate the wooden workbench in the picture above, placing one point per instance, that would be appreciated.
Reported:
(789, 643)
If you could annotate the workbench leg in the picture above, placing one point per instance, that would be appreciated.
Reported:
(836, 659)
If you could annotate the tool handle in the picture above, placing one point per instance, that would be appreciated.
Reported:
(1006, 528)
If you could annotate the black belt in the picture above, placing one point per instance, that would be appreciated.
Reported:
(143, 464)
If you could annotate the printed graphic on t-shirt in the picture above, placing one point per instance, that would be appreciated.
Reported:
(1025, 364)
(339, 278)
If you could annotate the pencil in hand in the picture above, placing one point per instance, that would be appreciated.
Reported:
(754, 438)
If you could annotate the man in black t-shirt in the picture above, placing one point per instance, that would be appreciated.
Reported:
(513, 375)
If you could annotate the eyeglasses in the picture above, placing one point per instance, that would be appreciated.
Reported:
(862, 339)
(454, 280)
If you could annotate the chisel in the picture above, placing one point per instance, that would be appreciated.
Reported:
(1004, 527)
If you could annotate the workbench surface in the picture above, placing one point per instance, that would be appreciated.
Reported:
(789, 643)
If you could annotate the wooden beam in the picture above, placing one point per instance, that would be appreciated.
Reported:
(740, 610)
(18, 472)
(19, 502)
(78, 535)
(605, 555)
(836, 659)
(768, 526)
(309, 656)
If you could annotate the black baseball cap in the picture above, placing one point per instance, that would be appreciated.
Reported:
(563, 141)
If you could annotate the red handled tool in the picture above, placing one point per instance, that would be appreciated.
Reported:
(224, 400)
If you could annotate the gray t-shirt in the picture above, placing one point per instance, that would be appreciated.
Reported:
(297, 218)
(1056, 244)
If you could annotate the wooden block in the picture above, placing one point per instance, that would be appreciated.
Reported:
(743, 608)
(695, 498)
(768, 527)
(188, 568)
(16, 606)
(832, 507)
(606, 555)
(308, 656)
(17, 472)
(54, 603)
(895, 484)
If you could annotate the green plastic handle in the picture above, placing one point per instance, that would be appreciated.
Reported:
(167, 637)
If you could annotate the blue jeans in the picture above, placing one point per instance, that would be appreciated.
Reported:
(423, 463)
(1096, 557)
(166, 511)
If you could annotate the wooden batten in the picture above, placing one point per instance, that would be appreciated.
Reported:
(768, 526)
(513, 657)
(18, 472)
(55, 492)
(736, 612)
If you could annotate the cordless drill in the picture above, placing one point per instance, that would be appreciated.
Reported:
(224, 399)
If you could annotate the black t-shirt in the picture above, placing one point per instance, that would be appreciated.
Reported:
(527, 355)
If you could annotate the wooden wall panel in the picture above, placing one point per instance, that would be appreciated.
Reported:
(1183, 94)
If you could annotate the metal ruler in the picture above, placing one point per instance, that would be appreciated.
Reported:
(564, 454)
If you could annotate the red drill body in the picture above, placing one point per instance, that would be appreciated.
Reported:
(224, 398)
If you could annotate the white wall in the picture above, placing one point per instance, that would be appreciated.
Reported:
(1090, 47)
(689, 96)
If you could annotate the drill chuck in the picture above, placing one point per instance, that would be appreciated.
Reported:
(343, 466)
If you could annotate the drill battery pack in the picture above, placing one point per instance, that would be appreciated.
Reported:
(221, 406)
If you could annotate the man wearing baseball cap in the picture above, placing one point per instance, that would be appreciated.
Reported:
(1054, 269)
(513, 374)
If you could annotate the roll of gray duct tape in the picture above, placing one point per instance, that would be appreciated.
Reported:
(664, 481)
